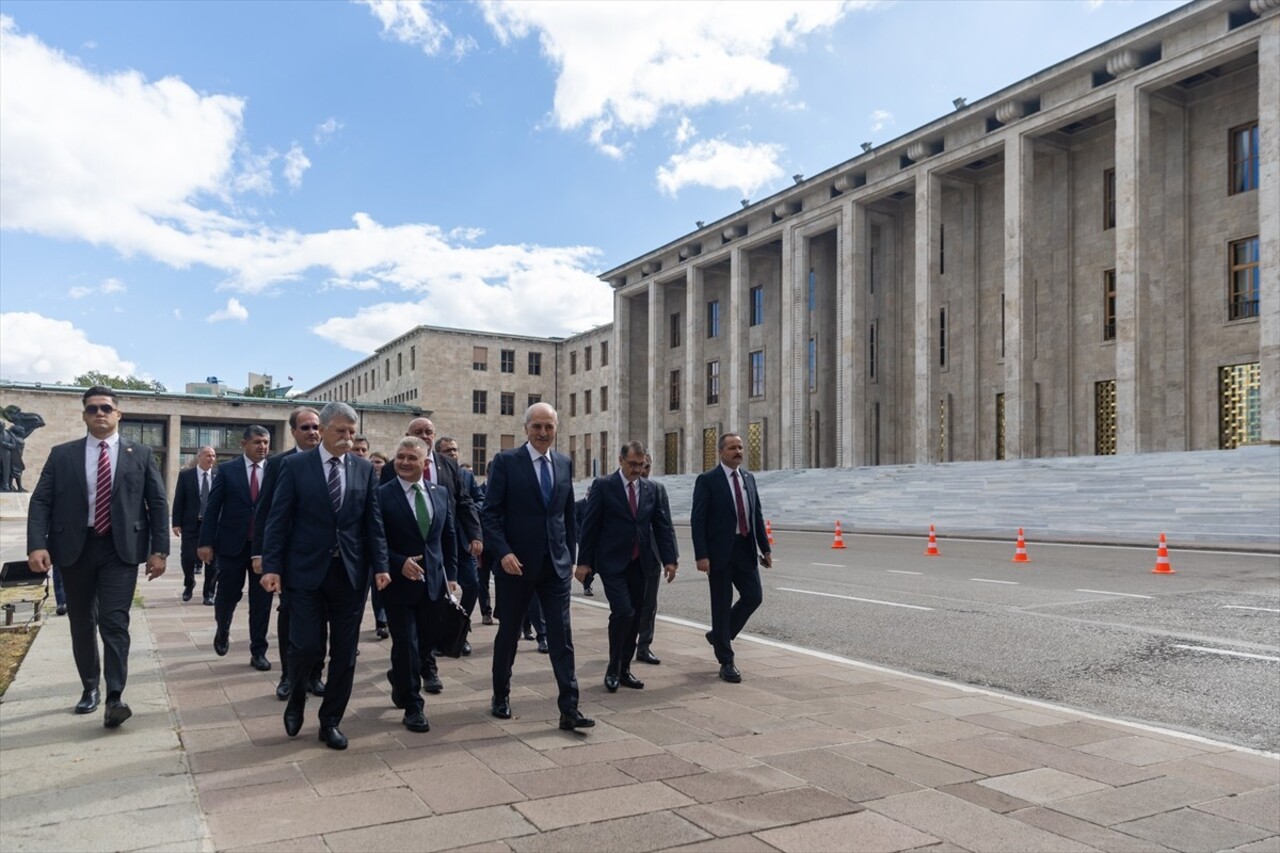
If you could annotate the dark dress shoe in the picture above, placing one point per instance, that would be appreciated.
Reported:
(629, 680)
(208, 601)
(88, 702)
(382, 633)
(196, 570)
(574, 720)
(730, 673)
(611, 682)
(186, 595)
(416, 722)
(117, 712)
(333, 738)
(542, 647)
(528, 635)
(486, 619)
(432, 684)
(283, 688)
(500, 707)
(646, 656)
(466, 648)
(586, 590)
(292, 720)
(315, 687)
(221, 642)
(260, 663)
(62, 610)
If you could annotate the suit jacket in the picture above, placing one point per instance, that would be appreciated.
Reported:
(515, 519)
(304, 533)
(610, 533)
(664, 507)
(186, 499)
(265, 494)
(437, 553)
(446, 473)
(714, 519)
(58, 516)
(230, 509)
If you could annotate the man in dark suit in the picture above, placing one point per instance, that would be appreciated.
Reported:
(727, 526)
(649, 609)
(98, 511)
(468, 573)
(422, 547)
(190, 497)
(323, 539)
(529, 529)
(227, 532)
(304, 425)
(623, 524)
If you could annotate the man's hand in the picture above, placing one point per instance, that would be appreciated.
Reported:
(255, 563)
(382, 580)
(455, 590)
(205, 554)
(580, 573)
(670, 569)
(39, 561)
(477, 548)
(766, 560)
(411, 570)
(177, 531)
(511, 565)
(155, 566)
(704, 565)
(270, 582)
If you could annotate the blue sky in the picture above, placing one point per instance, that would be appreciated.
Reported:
(194, 189)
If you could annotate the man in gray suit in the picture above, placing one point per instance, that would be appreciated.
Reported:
(98, 511)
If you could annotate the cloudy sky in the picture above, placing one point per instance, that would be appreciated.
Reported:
(207, 189)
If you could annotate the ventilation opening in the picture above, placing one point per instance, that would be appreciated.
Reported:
(1240, 17)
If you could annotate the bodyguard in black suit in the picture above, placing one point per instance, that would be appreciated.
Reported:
(623, 524)
(228, 531)
(189, 499)
(422, 548)
(529, 530)
(98, 511)
(324, 538)
(649, 609)
(727, 526)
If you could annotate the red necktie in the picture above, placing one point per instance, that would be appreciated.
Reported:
(253, 494)
(102, 495)
(742, 510)
(631, 499)
(426, 471)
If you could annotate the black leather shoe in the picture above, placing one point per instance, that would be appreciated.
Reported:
(88, 702)
(611, 682)
(432, 684)
(466, 648)
(260, 663)
(62, 610)
(486, 619)
(574, 720)
(382, 633)
(315, 687)
(500, 707)
(416, 722)
(117, 712)
(333, 738)
(221, 642)
(629, 680)
(208, 601)
(528, 635)
(646, 656)
(730, 673)
(283, 689)
(586, 590)
(293, 719)
(196, 570)
(186, 595)
(542, 647)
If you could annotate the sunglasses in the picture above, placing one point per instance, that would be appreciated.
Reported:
(309, 427)
(105, 408)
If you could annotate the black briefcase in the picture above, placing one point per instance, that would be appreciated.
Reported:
(453, 627)
(18, 573)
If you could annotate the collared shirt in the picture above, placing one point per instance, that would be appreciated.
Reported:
(325, 456)
(248, 470)
(429, 464)
(91, 451)
(204, 476)
(742, 484)
(537, 467)
(408, 485)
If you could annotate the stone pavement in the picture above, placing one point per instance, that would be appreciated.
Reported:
(810, 752)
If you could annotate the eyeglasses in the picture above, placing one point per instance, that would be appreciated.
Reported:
(309, 427)
(105, 408)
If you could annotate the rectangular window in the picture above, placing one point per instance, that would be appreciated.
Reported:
(535, 398)
(399, 364)
(479, 402)
(508, 360)
(813, 289)
(586, 402)
(479, 358)
(604, 353)
(813, 364)
(535, 364)
(1108, 199)
(942, 337)
(507, 403)
(713, 318)
(676, 326)
(586, 455)
(1002, 313)
(479, 453)
(871, 351)
(604, 398)
(674, 396)
(1109, 305)
(573, 405)
(1244, 158)
(757, 373)
(413, 358)
(573, 362)
(757, 306)
(604, 444)
(573, 454)
(586, 358)
(1246, 279)
(713, 383)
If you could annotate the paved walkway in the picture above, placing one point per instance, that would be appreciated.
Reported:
(810, 752)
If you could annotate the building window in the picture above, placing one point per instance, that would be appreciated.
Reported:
(813, 364)
(604, 353)
(573, 405)
(1104, 417)
(507, 360)
(573, 454)
(604, 398)
(479, 358)
(573, 362)
(676, 326)
(535, 398)
(1109, 305)
(1003, 305)
(586, 455)
(713, 318)
(586, 358)
(942, 337)
(1245, 279)
(674, 395)
(871, 351)
(1239, 405)
(479, 453)
(757, 306)
(535, 364)
(479, 402)
(1108, 199)
(713, 383)
(813, 289)
(399, 364)
(586, 402)
(507, 403)
(604, 445)
(757, 373)
(1244, 158)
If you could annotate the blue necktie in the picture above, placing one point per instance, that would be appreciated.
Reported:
(545, 478)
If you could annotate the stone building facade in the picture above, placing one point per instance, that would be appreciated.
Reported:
(1087, 261)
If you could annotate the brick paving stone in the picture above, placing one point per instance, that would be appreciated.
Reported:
(592, 753)
(647, 768)
(245, 777)
(659, 729)
(246, 826)
(841, 775)
(367, 772)
(974, 756)
(1139, 751)
(1068, 760)
(790, 740)
(1266, 845)
(718, 727)
(1085, 832)
(992, 800)
(1224, 780)
(858, 720)
(438, 832)
(1265, 769)
(971, 826)
(1192, 831)
(917, 733)
(461, 787)
(1130, 802)
(77, 802)
(1258, 808)
(168, 827)
(424, 757)
(900, 761)
(711, 756)
(1036, 718)
(763, 811)
(735, 844)
(966, 706)
(1071, 734)
(730, 784)
(572, 809)
(1042, 785)
(567, 780)
(654, 831)
(874, 833)
(291, 845)
(281, 794)
(510, 756)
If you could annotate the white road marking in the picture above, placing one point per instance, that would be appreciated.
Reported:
(902, 572)
(852, 598)
(1105, 592)
(830, 565)
(988, 580)
(1243, 607)
(1226, 652)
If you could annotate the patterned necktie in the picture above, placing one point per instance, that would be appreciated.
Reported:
(421, 511)
(102, 495)
(742, 509)
(631, 499)
(204, 492)
(545, 480)
(335, 483)
(253, 494)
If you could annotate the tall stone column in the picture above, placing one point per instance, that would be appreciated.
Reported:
(1132, 144)
(1019, 388)
(624, 355)
(789, 393)
(693, 403)
(928, 229)
(736, 321)
(172, 462)
(657, 330)
(852, 335)
(1269, 224)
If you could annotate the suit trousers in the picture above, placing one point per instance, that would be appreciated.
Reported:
(189, 558)
(625, 591)
(469, 580)
(282, 640)
(533, 622)
(340, 606)
(514, 592)
(234, 570)
(483, 576)
(649, 609)
(99, 588)
(727, 616)
(412, 627)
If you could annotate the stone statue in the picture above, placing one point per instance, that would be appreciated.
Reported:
(12, 441)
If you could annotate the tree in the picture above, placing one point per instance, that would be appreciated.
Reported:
(122, 383)
(258, 390)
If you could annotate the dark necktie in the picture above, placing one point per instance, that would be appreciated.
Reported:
(204, 492)
(253, 494)
(426, 470)
(102, 494)
(742, 509)
(421, 511)
(631, 499)
(545, 479)
(335, 483)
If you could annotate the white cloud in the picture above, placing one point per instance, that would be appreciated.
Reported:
(880, 119)
(685, 131)
(722, 165)
(34, 348)
(326, 129)
(108, 287)
(112, 285)
(412, 22)
(295, 163)
(233, 311)
(255, 172)
(177, 313)
(628, 62)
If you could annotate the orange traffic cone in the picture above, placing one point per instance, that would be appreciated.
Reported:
(1020, 552)
(768, 530)
(839, 540)
(932, 550)
(1162, 559)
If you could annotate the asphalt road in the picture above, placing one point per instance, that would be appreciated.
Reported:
(1087, 627)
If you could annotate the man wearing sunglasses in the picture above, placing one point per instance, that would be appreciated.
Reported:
(99, 511)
